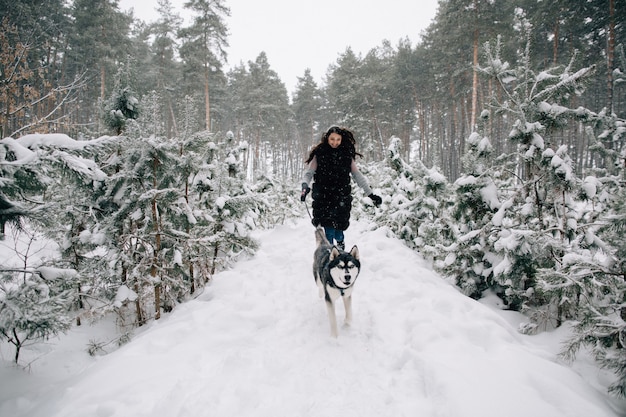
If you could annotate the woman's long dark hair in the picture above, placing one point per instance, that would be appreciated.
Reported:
(347, 142)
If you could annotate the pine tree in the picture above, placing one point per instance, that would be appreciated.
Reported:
(164, 50)
(174, 212)
(594, 275)
(34, 306)
(39, 300)
(542, 211)
(151, 121)
(467, 257)
(229, 206)
(277, 201)
(58, 180)
(406, 88)
(10, 213)
(72, 215)
(307, 108)
(122, 105)
(600, 282)
(344, 91)
(519, 210)
(29, 100)
(416, 209)
(23, 179)
(204, 43)
(263, 117)
(139, 199)
(96, 44)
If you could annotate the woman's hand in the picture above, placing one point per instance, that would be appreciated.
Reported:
(305, 191)
(375, 199)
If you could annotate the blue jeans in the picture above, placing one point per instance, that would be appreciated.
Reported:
(333, 234)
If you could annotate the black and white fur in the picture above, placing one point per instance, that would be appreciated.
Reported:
(335, 272)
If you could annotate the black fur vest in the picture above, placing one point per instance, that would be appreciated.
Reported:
(332, 199)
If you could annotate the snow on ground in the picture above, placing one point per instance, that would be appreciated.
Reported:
(256, 343)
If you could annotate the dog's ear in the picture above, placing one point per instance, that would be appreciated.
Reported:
(354, 252)
(334, 253)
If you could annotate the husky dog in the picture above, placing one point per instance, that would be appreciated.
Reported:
(335, 272)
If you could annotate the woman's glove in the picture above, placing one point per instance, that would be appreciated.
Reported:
(375, 199)
(305, 191)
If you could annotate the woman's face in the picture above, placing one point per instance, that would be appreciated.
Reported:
(334, 140)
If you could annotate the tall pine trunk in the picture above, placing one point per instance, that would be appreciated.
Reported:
(474, 83)
(188, 231)
(157, 244)
(207, 103)
(102, 82)
(610, 53)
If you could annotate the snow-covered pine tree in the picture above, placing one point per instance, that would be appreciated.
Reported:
(138, 204)
(122, 105)
(69, 215)
(590, 278)
(469, 258)
(174, 212)
(601, 280)
(415, 210)
(34, 305)
(36, 301)
(230, 208)
(519, 210)
(403, 184)
(279, 201)
(545, 209)
(21, 181)
(192, 225)
(56, 177)
(150, 122)
(188, 121)
(597, 270)
(191, 150)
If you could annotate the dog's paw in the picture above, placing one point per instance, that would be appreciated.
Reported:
(347, 324)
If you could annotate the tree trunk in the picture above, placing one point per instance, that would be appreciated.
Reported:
(157, 245)
(102, 82)
(610, 53)
(422, 122)
(216, 251)
(18, 345)
(474, 83)
(157, 300)
(173, 117)
(555, 43)
(206, 98)
(140, 318)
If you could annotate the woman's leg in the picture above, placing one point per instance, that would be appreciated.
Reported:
(340, 239)
(330, 234)
(335, 237)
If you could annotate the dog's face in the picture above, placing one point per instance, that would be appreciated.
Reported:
(344, 267)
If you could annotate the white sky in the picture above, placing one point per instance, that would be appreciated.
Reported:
(297, 35)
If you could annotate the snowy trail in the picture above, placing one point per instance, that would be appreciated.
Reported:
(256, 343)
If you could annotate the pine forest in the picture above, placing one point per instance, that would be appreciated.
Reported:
(496, 139)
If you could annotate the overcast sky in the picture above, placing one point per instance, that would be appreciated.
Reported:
(297, 35)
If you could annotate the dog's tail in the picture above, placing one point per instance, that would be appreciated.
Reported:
(320, 236)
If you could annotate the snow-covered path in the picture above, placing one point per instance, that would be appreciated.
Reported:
(256, 343)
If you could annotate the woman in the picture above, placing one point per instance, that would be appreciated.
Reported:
(330, 164)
